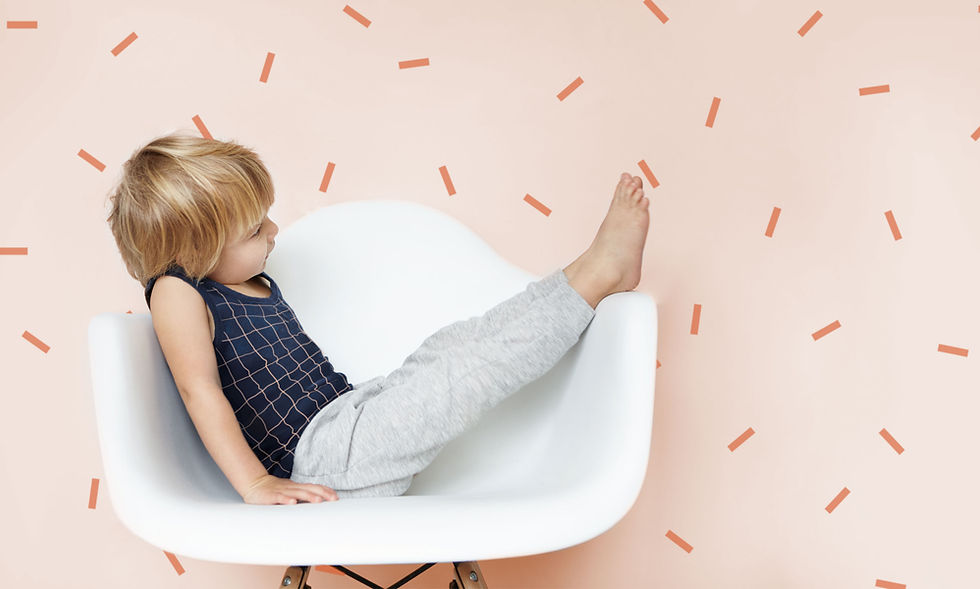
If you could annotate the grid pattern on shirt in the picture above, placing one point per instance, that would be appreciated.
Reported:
(274, 376)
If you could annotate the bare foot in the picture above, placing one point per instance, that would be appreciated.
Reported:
(614, 260)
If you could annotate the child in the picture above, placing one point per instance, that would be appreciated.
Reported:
(190, 218)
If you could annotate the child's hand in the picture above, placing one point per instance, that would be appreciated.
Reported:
(270, 490)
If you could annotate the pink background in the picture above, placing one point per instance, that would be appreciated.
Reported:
(792, 131)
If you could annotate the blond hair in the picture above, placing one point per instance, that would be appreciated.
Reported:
(181, 198)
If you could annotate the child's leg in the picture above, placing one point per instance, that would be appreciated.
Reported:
(372, 440)
(447, 384)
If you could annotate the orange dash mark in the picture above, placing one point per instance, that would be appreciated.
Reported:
(13, 251)
(658, 364)
(123, 44)
(656, 10)
(873, 90)
(200, 127)
(738, 441)
(537, 204)
(696, 319)
(953, 350)
(891, 441)
(711, 113)
(175, 563)
(326, 568)
(447, 180)
(888, 584)
(819, 334)
(679, 541)
(413, 63)
(840, 497)
(269, 58)
(40, 345)
(809, 23)
(326, 177)
(356, 16)
(976, 134)
(91, 159)
(772, 221)
(570, 88)
(893, 225)
(93, 494)
(21, 24)
(648, 173)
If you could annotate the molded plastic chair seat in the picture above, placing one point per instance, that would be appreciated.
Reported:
(556, 464)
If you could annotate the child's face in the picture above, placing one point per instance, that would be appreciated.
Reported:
(245, 257)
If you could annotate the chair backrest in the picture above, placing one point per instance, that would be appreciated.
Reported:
(369, 281)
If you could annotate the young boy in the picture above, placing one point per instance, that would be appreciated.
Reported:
(190, 218)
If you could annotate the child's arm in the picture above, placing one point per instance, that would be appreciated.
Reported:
(180, 321)
(222, 436)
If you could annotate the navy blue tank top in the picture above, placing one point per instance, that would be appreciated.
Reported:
(275, 376)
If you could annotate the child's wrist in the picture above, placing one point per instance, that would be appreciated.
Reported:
(249, 483)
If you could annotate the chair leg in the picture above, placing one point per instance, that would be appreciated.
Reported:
(295, 578)
(468, 576)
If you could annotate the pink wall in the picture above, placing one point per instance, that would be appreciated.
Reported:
(877, 229)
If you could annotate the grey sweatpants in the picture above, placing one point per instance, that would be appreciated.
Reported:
(372, 440)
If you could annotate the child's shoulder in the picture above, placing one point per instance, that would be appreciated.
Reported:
(172, 273)
(174, 299)
(174, 291)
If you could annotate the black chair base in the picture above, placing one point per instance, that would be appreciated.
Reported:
(468, 576)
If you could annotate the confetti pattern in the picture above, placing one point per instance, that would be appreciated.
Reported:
(739, 440)
(93, 495)
(457, 107)
(713, 112)
(178, 568)
(954, 350)
(267, 67)
(828, 329)
(873, 90)
(891, 441)
(569, 89)
(652, 181)
(36, 341)
(656, 10)
(537, 204)
(771, 227)
(124, 44)
(809, 23)
(679, 541)
(696, 319)
(357, 16)
(325, 182)
(91, 159)
(450, 188)
(840, 497)
(413, 63)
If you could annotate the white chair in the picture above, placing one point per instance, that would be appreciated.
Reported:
(554, 465)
